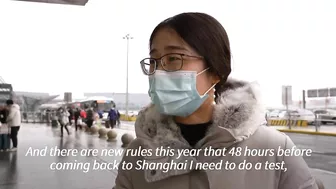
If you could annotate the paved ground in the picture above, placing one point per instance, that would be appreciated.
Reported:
(20, 172)
(323, 159)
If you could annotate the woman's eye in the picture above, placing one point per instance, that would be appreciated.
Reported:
(173, 58)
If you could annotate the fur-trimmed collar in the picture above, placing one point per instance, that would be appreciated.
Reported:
(237, 115)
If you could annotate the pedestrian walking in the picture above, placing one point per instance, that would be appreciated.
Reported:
(14, 122)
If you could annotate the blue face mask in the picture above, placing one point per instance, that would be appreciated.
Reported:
(175, 93)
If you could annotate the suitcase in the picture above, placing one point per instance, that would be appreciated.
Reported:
(54, 123)
(9, 142)
(5, 141)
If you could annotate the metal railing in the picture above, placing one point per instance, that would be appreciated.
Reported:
(316, 123)
(37, 117)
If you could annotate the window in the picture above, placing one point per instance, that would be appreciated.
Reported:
(332, 91)
(312, 93)
(323, 92)
(104, 106)
(320, 112)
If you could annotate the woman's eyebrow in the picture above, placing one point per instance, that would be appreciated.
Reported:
(169, 47)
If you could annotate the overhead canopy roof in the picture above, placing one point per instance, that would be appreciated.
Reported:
(47, 99)
(97, 98)
(69, 2)
(34, 101)
(50, 106)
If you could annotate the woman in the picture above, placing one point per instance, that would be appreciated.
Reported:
(188, 71)
(4, 130)
(63, 118)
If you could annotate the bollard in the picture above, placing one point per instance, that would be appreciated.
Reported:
(126, 139)
(94, 129)
(102, 133)
(85, 128)
(111, 135)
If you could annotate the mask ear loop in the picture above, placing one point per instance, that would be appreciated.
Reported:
(210, 89)
(211, 86)
(202, 71)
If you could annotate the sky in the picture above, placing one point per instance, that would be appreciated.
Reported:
(62, 48)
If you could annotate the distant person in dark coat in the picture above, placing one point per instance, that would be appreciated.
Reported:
(71, 114)
(112, 115)
(118, 118)
(89, 117)
(77, 116)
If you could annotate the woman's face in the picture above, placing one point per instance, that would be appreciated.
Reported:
(167, 41)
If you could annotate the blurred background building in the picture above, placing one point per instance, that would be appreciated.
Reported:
(28, 101)
(69, 2)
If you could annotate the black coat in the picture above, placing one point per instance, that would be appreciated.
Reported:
(3, 116)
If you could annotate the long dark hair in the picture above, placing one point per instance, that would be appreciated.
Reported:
(207, 37)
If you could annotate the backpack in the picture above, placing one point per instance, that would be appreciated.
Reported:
(90, 114)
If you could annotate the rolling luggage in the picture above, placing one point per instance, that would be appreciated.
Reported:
(54, 123)
(5, 142)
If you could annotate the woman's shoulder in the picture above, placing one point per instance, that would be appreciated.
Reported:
(268, 137)
(135, 145)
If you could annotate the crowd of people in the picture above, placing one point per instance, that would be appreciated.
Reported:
(67, 116)
(10, 121)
